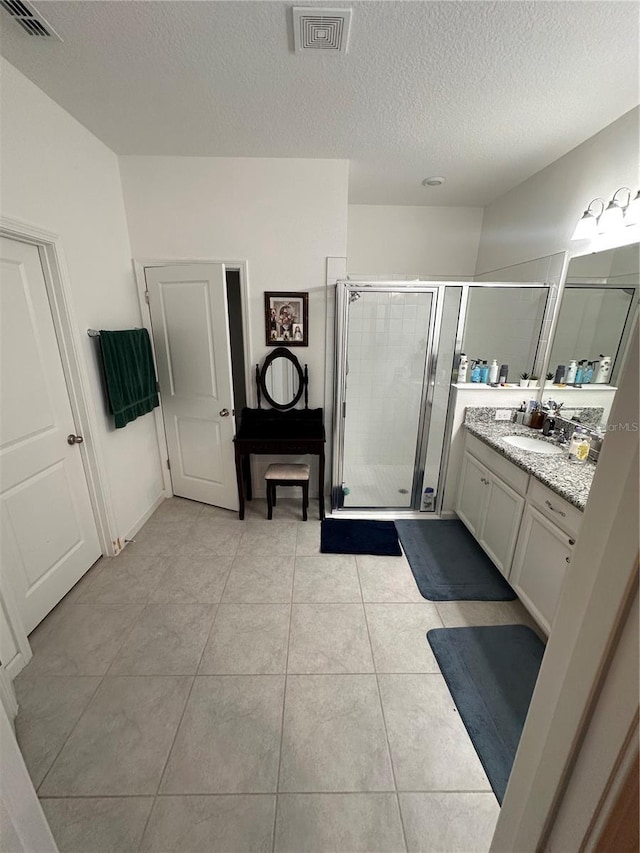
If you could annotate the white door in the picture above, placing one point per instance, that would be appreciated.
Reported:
(191, 337)
(49, 537)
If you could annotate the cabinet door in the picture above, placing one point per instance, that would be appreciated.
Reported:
(472, 493)
(539, 565)
(501, 523)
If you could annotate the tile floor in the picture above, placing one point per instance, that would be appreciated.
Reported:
(222, 686)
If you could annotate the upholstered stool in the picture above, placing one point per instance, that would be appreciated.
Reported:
(287, 475)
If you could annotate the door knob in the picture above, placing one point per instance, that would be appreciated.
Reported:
(224, 413)
(74, 439)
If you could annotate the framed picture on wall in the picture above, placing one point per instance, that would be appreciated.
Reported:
(287, 319)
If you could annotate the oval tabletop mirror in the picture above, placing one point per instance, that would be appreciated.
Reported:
(281, 379)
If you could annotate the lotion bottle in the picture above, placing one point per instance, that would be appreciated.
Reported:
(602, 376)
(571, 372)
(493, 373)
(463, 366)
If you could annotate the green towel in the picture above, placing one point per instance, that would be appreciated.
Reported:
(132, 389)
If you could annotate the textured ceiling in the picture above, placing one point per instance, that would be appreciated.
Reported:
(485, 93)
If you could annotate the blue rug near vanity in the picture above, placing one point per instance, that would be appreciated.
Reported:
(490, 673)
(448, 564)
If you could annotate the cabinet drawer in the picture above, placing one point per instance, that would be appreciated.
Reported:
(555, 508)
(507, 471)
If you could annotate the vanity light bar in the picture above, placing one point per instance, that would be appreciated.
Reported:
(610, 218)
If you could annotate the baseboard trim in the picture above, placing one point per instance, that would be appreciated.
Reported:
(17, 664)
(142, 520)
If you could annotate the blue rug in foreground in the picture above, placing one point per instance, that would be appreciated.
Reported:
(448, 564)
(359, 537)
(490, 673)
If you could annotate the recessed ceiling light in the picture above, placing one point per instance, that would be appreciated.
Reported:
(434, 181)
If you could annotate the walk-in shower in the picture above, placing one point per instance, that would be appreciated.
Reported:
(396, 347)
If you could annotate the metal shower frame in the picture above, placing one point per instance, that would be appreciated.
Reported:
(344, 287)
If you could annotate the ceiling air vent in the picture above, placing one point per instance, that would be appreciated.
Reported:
(29, 19)
(321, 29)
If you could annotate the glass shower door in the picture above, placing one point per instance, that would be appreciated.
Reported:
(389, 338)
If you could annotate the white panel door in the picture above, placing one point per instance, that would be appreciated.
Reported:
(191, 338)
(49, 536)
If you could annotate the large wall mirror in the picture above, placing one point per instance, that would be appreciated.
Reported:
(505, 323)
(598, 309)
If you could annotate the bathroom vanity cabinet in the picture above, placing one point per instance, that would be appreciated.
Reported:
(491, 501)
(527, 530)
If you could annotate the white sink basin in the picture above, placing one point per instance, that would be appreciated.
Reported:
(533, 445)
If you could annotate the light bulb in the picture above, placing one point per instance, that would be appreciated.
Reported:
(587, 227)
(632, 213)
(611, 218)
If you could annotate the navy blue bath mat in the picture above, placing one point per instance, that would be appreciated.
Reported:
(490, 673)
(448, 564)
(359, 537)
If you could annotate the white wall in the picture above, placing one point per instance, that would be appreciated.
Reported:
(413, 241)
(283, 216)
(57, 176)
(537, 217)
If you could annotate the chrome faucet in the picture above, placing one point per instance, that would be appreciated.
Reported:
(560, 435)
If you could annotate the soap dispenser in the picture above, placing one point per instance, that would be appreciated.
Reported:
(580, 371)
(571, 372)
(476, 372)
(484, 373)
(587, 376)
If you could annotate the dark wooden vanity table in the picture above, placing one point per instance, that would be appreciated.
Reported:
(281, 430)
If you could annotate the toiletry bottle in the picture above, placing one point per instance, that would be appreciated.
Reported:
(463, 366)
(602, 376)
(558, 379)
(530, 409)
(571, 372)
(578, 446)
(587, 376)
(537, 418)
(494, 372)
(428, 499)
(549, 424)
(504, 373)
(484, 373)
(476, 372)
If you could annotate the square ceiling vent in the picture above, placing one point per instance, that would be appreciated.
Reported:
(321, 29)
(29, 18)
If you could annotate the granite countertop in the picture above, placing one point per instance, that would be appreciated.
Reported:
(570, 480)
